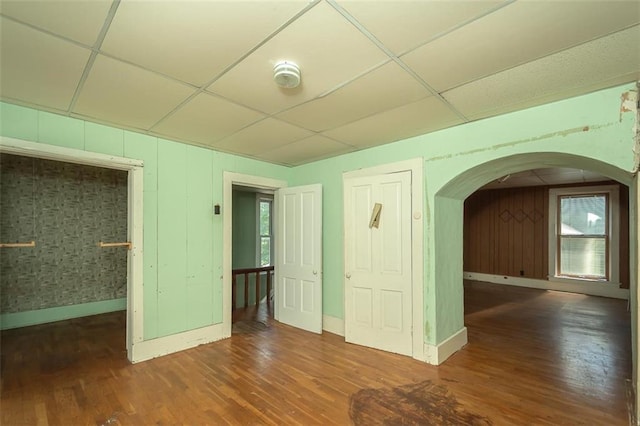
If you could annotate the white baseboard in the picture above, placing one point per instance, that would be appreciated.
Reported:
(149, 349)
(582, 287)
(437, 354)
(432, 354)
(333, 325)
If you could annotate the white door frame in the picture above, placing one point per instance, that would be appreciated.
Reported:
(135, 324)
(417, 238)
(230, 179)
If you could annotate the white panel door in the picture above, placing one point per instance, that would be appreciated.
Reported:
(378, 280)
(299, 257)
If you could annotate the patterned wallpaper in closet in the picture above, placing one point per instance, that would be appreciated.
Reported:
(66, 208)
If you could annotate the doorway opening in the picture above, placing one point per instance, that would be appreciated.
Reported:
(243, 252)
(552, 228)
(568, 323)
(252, 301)
(546, 261)
(297, 231)
(133, 169)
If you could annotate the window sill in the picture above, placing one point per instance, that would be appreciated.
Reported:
(575, 280)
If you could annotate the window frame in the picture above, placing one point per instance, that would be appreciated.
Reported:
(612, 232)
(261, 197)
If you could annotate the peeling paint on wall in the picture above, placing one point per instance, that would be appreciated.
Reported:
(629, 103)
(561, 133)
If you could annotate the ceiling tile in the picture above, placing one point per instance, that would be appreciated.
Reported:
(590, 176)
(403, 26)
(206, 119)
(594, 65)
(384, 88)
(545, 176)
(310, 149)
(193, 40)
(574, 176)
(409, 120)
(492, 57)
(552, 96)
(515, 34)
(558, 176)
(550, 171)
(321, 42)
(525, 173)
(116, 92)
(586, 174)
(78, 20)
(261, 137)
(38, 68)
(514, 182)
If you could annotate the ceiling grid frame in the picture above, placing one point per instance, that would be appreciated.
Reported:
(28, 73)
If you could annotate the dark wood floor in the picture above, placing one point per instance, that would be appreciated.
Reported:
(534, 357)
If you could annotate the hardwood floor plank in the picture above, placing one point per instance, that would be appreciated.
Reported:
(533, 357)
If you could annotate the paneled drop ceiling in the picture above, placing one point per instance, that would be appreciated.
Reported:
(373, 72)
(548, 176)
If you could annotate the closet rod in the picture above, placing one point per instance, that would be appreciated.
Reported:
(13, 245)
(126, 244)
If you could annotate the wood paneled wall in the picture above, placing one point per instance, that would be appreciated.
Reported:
(506, 232)
(624, 237)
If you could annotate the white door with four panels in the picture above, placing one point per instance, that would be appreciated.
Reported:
(378, 284)
(299, 257)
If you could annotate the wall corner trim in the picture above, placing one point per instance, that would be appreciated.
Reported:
(437, 354)
(333, 325)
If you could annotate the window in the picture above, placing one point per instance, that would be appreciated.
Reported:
(265, 230)
(583, 237)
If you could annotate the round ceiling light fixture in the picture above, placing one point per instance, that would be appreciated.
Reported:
(286, 74)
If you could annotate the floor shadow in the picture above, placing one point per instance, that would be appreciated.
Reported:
(252, 319)
(423, 403)
(486, 296)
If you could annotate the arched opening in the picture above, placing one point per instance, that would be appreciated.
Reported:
(448, 238)
(448, 216)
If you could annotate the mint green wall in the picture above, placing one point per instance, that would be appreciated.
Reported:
(244, 230)
(244, 251)
(42, 316)
(590, 126)
(183, 241)
(244, 240)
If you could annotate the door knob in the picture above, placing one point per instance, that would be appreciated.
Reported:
(315, 272)
(348, 275)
